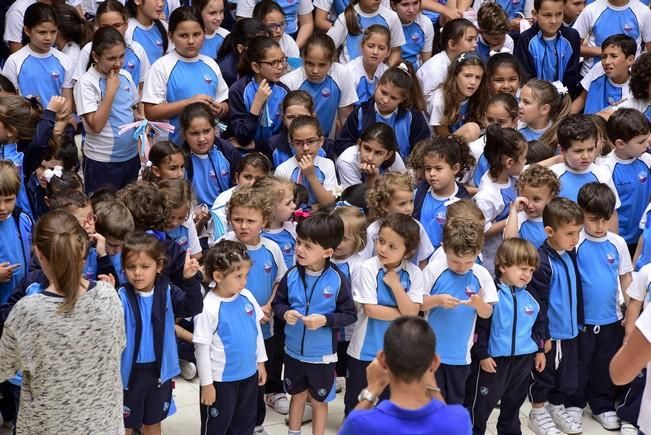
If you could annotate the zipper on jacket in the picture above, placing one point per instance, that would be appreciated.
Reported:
(515, 320)
(307, 308)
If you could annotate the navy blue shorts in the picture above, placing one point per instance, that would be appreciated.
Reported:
(318, 379)
(146, 402)
(113, 175)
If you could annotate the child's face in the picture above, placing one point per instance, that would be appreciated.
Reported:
(294, 111)
(272, 67)
(42, 36)
(505, 79)
(388, 97)
(113, 245)
(369, 6)
(316, 63)
(615, 63)
(581, 154)
(375, 49)
(402, 202)
(187, 38)
(249, 175)
(373, 153)
(494, 40)
(172, 168)
(200, 135)
(86, 217)
(460, 264)
(213, 15)
(347, 246)
(407, 10)
(564, 238)
(235, 280)
(537, 197)
(141, 271)
(518, 275)
(177, 217)
(111, 59)
(113, 19)
(529, 109)
(438, 172)
(390, 248)
(46, 164)
(549, 17)
(247, 223)
(7, 206)
(634, 148)
(497, 114)
(152, 9)
(285, 208)
(595, 226)
(311, 255)
(306, 142)
(469, 79)
(275, 22)
(572, 9)
(468, 42)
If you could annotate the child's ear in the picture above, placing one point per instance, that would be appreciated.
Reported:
(549, 231)
(508, 162)
(619, 143)
(240, 48)
(456, 168)
(155, 171)
(328, 253)
(255, 67)
(159, 267)
(545, 109)
(217, 276)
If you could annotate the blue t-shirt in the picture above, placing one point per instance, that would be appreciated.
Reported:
(9, 151)
(146, 352)
(326, 96)
(212, 175)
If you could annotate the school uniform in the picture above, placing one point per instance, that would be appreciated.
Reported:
(334, 92)
(285, 238)
(136, 62)
(348, 167)
(645, 226)
(324, 170)
(423, 252)
(455, 327)
(15, 248)
(481, 164)
(572, 181)
(601, 262)
(364, 86)
(352, 45)
(212, 43)
(229, 346)
(155, 42)
(556, 283)
(409, 127)
(485, 51)
(36, 197)
(185, 235)
(39, 75)
(168, 82)
(633, 183)
(218, 213)
(11, 152)
(13, 31)
(600, 19)
(111, 159)
(228, 66)
(437, 111)
(367, 339)
(431, 209)
(530, 133)
(643, 106)
(290, 48)
(432, 74)
(281, 150)
(212, 173)
(292, 9)
(511, 337)
(419, 38)
(531, 229)
(602, 92)
(150, 358)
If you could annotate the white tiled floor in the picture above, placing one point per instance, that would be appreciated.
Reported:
(186, 420)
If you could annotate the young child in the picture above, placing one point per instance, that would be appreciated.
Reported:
(629, 165)
(105, 98)
(457, 290)
(146, 28)
(329, 83)
(607, 82)
(504, 74)
(392, 194)
(297, 16)
(418, 31)
(493, 23)
(639, 84)
(548, 50)
(315, 173)
(387, 286)
(73, 31)
(505, 151)
(397, 102)
(542, 106)
(347, 30)
(314, 299)
(212, 14)
(179, 225)
(113, 220)
(457, 36)
(228, 343)
(556, 283)
(168, 91)
(165, 161)
(458, 107)
(272, 15)
(151, 303)
(507, 341)
(256, 97)
(376, 153)
(605, 268)
(15, 232)
(537, 186)
(367, 69)
(442, 161)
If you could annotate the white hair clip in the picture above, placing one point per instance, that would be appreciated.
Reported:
(462, 57)
(501, 50)
(561, 89)
(148, 164)
(49, 173)
(402, 67)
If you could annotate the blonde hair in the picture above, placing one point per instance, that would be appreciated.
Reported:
(467, 209)
(275, 187)
(515, 252)
(250, 197)
(9, 178)
(379, 196)
(63, 242)
(353, 217)
(463, 236)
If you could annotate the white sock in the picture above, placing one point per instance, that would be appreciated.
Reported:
(538, 411)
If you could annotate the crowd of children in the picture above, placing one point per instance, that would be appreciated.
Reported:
(268, 185)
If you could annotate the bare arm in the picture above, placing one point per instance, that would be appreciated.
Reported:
(305, 29)
(321, 20)
(630, 358)
(380, 312)
(579, 102)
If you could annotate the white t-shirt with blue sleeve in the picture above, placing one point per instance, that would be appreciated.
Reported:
(364, 86)
(602, 92)
(291, 8)
(323, 168)
(425, 247)
(136, 62)
(641, 286)
(348, 167)
(149, 37)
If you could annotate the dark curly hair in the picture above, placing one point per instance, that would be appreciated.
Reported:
(641, 77)
(146, 204)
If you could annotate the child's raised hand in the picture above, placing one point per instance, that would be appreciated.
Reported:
(208, 394)
(448, 301)
(107, 278)
(307, 166)
(100, 244)
(540, 362)
(475, 300)
(7, 271)
(112, 81)
(520, 203)
(191, 266)
(201, 214)
(262, 374)
(56, 104)
(263, 92)
(314, 321)
(392, 279)
(488, 365)
(292, 316)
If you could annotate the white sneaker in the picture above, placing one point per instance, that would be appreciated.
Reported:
(628, 429)
(307, 414)
(278, 402)
(564, 421)
(541, 423)
(576, 414)
(608, 420)
(188, 370)
(259, 430)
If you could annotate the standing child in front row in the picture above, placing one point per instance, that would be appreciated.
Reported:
(151, 303)
(457, 290)
(605, 269)
(387, 286)
(507, 341)
(314, 298)
(228, 344)
(556, 284)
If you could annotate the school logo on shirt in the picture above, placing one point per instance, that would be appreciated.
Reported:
(287, 248)
(529, 310)
(440, 217)
(207, 79)
(267, 267)
(130, 66)
(642, 177)
(248, 308)
(126, 88)
(327, 293)
(325, 93)
(627, 28)
(225, 172)
(126, 412)
(483, 391)
(159, 43)
(212, 175)
(515, 2)
(415, 37)
(610, 258)
(55, 75)
(470, 290)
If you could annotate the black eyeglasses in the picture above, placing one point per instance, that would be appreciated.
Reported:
(276, 26)
(278, 63)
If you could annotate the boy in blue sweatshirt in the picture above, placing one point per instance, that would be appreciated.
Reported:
(314, 299)
(556, 284)
(605, 266)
